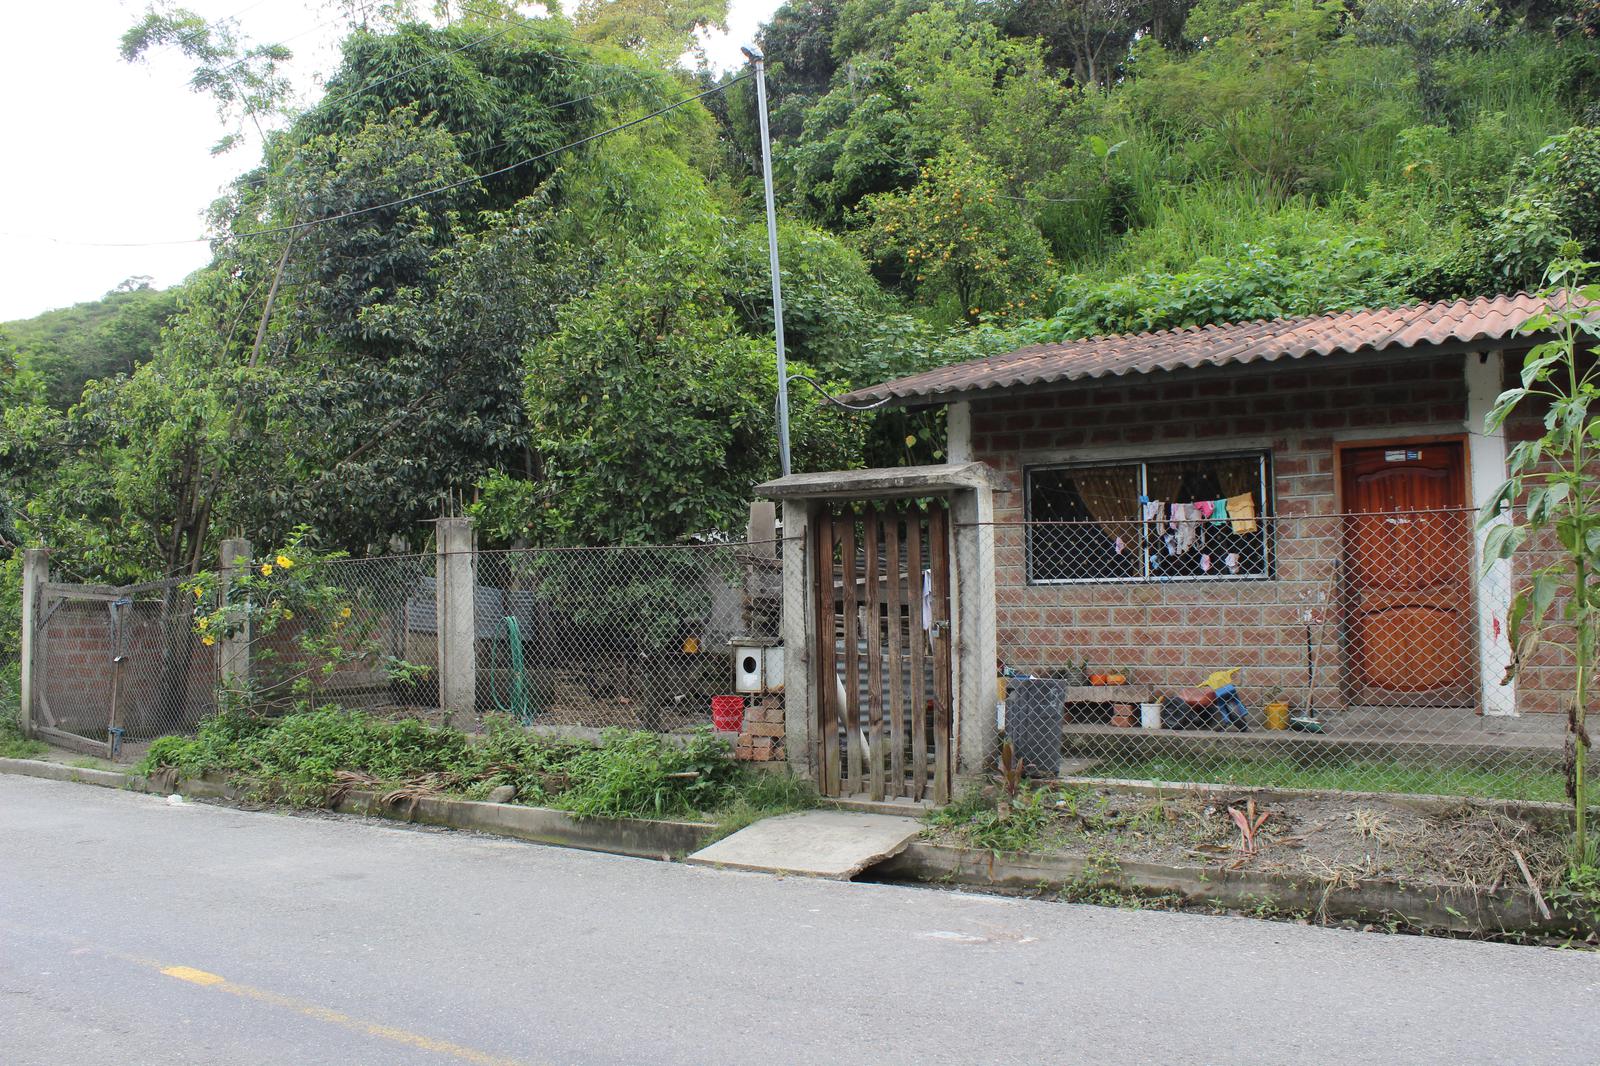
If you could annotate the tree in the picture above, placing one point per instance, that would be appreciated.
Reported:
(955, 235)
(244, 79)
(660, 30)
(1428, 29)
(1553, 490)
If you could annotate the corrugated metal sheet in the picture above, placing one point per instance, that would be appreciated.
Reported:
(491, 606)
(1487, 318)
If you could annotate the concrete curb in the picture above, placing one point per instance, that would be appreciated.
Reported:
(639, 837)
(1437, 908)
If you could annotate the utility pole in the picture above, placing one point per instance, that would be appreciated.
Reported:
(758, 60)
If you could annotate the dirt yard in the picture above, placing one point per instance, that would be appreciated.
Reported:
(1331, 837)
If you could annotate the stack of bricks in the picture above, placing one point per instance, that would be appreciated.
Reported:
(761, 739)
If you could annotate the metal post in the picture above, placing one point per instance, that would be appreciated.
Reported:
(759, 61)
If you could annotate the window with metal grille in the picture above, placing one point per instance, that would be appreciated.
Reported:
(1117, 521)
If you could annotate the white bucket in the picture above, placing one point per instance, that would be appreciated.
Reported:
(1150, 715)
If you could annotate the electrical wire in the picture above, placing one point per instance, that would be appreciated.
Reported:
(830, 398)
(404, 200)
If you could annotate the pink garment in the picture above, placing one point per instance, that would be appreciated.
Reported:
(1205, 508)
(1186, 526)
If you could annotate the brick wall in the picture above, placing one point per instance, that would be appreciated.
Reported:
(166, 681)
(1174, 633)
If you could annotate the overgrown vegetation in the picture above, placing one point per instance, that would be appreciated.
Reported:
(13, 745)
(1552, 487)
(311, 754)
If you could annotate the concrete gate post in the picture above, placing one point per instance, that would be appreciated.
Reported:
(973, 613)
(799, 617)
(234, 657)
(455, 570)
(35, 575)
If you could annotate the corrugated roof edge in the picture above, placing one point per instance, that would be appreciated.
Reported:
(1448, 322)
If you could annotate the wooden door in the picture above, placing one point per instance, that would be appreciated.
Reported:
(884, 725)
(1407, 584)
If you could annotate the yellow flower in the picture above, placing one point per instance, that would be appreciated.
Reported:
(199, 593)
(204, 623)
(208, 641)
(288, 616)
(285, 563)
(345, 613)
(266, 569)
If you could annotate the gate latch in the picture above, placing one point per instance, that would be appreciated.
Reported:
(937, 627)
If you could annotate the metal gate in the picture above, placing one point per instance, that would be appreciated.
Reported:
(119, 665)
(883, 652)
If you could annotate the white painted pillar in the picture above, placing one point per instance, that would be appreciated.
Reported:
(974, 644)
(1486, 459)
(234, 660)
(958, 433)
(35, 575)
(456, 616)
(799, 612)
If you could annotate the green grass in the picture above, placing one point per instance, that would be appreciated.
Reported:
(976, 820)
(764, 795)
(309, 754)
(13, 745)
(1362, 776)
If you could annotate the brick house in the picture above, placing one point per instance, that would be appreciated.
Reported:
(1348, 453)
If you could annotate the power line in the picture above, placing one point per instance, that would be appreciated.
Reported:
(404, 200)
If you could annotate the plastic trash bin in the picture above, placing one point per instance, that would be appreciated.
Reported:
(1034, 722)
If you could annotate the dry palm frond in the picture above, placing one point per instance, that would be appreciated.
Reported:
(347, 781)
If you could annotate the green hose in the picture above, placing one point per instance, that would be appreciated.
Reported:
(518, 705)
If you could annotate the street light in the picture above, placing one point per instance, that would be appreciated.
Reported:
(758, 60)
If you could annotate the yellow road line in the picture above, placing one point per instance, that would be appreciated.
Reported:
(333, 1017)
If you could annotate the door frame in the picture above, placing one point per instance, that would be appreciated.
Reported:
(1463, 440)
(1342, 446)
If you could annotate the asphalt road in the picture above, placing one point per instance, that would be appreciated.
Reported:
(132, 932)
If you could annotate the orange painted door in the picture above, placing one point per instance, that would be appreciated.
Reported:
(1408, 574)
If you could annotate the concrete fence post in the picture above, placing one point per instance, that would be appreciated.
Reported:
(456, 614)
(35, 575)
(234, 651)
(976, 638)
(799, 620)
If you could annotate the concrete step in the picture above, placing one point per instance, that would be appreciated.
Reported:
(824, 843)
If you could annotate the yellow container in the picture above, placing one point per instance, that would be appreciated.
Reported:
(1277, 715)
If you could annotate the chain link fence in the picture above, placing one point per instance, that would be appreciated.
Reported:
(637, 637)
(358, 634)
(1357, 651)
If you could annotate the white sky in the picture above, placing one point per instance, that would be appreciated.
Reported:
(102, 151)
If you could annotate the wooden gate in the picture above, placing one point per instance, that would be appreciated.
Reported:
(883, 652)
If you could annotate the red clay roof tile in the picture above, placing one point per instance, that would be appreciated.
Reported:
(1460, 321)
